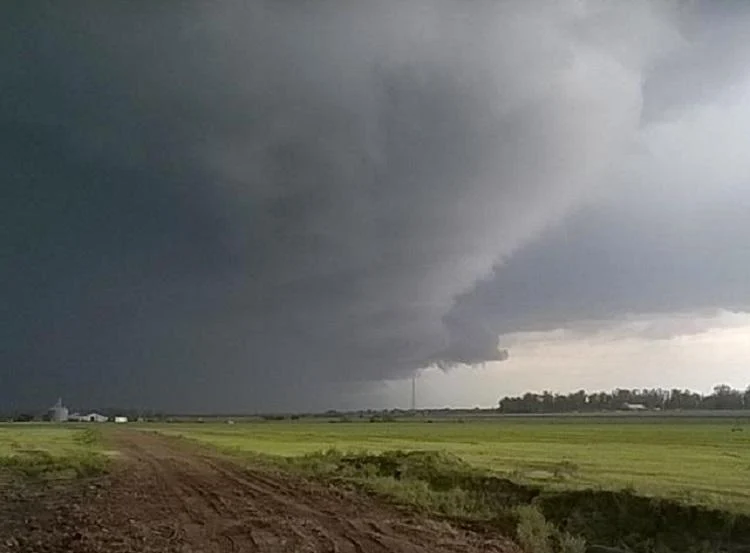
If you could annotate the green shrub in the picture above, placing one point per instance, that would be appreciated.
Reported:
(89, 437)
(567, 543)
(533, 532)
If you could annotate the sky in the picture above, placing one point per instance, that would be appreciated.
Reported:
(265, 206)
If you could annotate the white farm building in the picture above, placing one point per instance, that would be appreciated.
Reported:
(90, 417)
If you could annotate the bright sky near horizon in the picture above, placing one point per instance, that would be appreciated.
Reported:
(715, 352)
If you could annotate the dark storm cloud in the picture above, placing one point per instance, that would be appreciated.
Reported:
(232, 205)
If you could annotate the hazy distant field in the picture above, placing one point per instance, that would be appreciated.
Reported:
(698, 460)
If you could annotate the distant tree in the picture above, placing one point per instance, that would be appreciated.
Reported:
(548, 402)
(723, 397)
(577, 401)
(727, 398)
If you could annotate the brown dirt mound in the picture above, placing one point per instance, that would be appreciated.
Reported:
(168, 496)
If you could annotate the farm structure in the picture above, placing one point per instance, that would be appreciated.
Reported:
(90, 417)
(58, 412)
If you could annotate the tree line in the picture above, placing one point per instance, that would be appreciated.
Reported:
(723, 397)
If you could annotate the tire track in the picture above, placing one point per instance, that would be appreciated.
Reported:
(295, 516)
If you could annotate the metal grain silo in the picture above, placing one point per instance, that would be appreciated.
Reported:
(58, 412)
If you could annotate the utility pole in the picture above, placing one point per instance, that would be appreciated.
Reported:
(414, 393)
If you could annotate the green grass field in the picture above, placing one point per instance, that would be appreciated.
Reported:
(699, 461)
(50, 451)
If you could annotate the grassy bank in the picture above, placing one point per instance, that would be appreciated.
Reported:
(541, 520)
(47, 451)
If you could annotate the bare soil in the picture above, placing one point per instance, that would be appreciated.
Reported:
(167, 495)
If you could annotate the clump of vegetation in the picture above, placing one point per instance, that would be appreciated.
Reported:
(88, 437)
(442, 471)
(567, 543)
(274, 417)
(533, 532)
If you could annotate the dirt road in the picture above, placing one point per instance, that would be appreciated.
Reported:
(168, 496)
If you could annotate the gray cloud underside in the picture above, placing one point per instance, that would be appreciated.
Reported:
(607, 265)
(230, 206)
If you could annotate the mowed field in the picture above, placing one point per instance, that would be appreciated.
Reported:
(697, 461)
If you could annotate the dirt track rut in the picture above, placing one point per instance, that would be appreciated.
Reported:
(170, 496)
